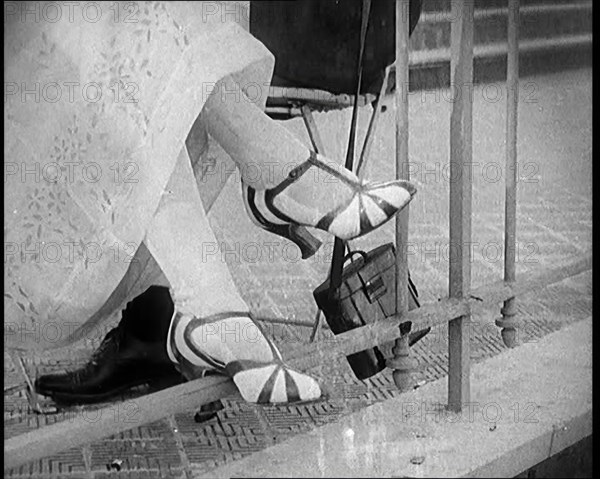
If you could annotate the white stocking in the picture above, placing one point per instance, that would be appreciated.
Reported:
(211, 328)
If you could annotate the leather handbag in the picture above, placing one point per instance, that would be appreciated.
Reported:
(366, 294)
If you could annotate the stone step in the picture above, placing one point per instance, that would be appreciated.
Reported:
(547, 20)
(430, 69)
(444, 5)
(553, 35)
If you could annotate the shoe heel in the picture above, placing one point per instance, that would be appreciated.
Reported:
(294, 232)
(208, 411)
(307, 243)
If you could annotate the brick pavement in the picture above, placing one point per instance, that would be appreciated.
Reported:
(554, 227)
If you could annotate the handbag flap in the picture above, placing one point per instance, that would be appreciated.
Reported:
(360, 272)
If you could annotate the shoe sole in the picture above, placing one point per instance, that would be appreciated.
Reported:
(73, 398)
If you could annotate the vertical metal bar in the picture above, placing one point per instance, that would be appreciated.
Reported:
(311, 128)
(401, 373)
(372, 128)
(508, 322)
(461, 121)
(337, 260)
(317, 143)
(402, 170)
(511, 140)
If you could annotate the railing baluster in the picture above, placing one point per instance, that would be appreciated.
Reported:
(401, 364)
(461, 121)
(508, 322)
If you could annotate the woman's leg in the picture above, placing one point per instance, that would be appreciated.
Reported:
(297, 185)
(263, 150)
(211, 328)
(181, 240)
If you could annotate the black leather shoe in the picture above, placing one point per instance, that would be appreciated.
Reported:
(132, 354)
(121, 362)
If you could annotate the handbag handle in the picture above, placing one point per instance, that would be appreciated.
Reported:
(373, 289)
(352, 253)
(337, 259)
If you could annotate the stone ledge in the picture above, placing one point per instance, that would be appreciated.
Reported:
(527, 404)
(431, 69)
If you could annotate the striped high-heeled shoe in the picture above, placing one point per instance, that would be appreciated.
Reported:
(262, 217)
(371, 205)
(226, 343)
